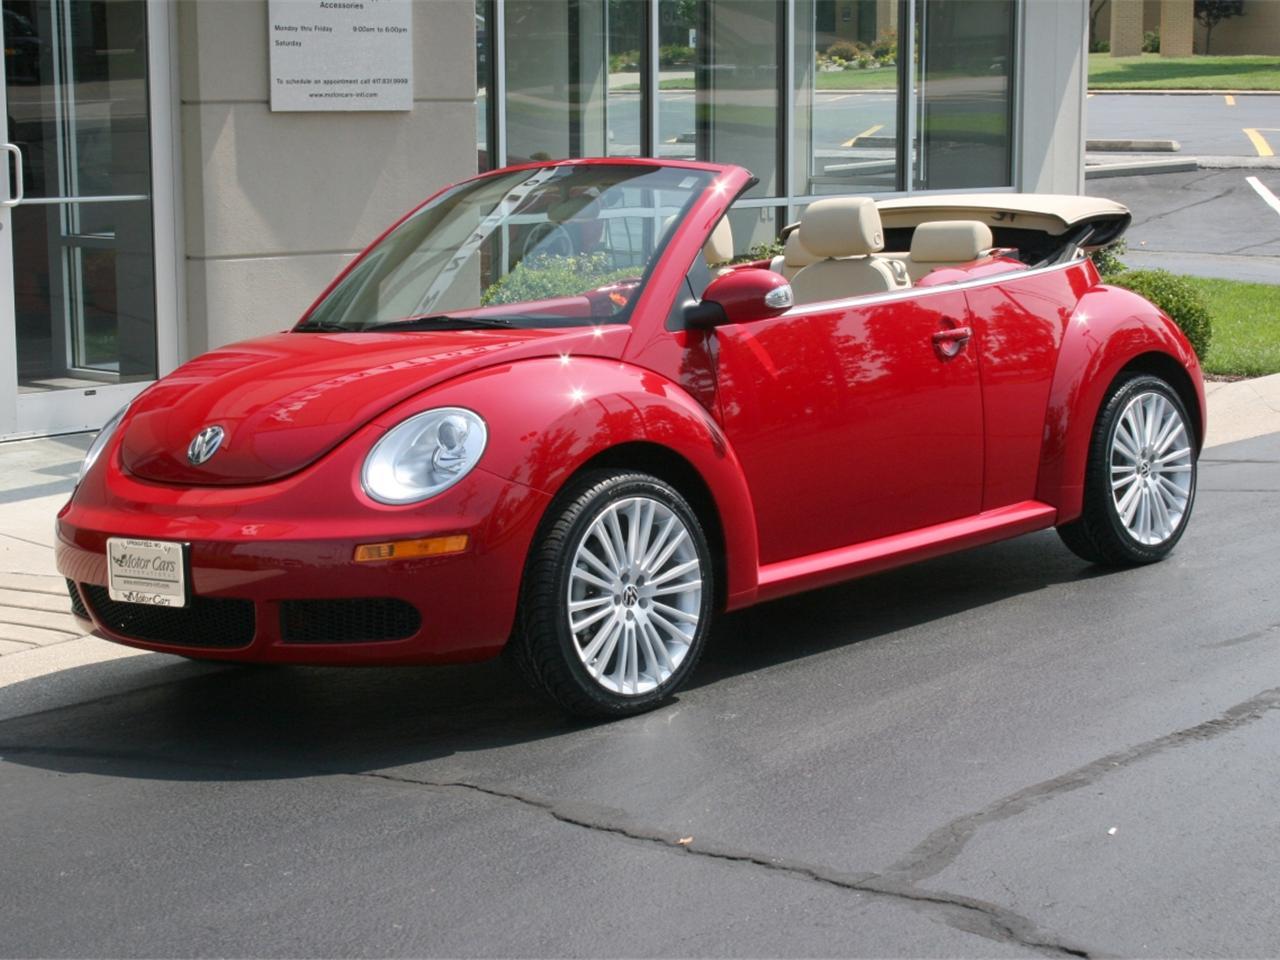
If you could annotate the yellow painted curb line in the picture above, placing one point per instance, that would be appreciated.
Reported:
(1259, 141)
(865, 133)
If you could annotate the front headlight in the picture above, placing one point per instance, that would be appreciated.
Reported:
(424, 455)
(99, 442)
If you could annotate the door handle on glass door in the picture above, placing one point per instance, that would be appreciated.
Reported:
(17, 195)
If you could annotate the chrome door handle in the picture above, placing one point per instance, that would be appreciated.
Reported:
(954, 335)
(949, 343)
(18, 193)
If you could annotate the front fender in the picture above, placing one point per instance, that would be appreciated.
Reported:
(548, 417)
(1110, 328)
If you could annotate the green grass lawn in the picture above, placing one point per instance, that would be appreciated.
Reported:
(1154, 72)
(1246, 327)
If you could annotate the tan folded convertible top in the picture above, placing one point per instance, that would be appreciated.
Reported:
(1052, 214)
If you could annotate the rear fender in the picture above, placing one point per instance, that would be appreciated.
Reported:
(1110, 330)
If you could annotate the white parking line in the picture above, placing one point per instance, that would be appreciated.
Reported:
(1269, 198)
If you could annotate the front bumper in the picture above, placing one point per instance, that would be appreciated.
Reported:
(272, 575)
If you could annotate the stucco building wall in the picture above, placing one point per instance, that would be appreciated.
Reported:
(275, 204)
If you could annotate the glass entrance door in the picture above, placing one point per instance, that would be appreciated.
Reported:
(78, 269)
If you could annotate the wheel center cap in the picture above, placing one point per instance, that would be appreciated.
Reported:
(1144, 468)
(630, 595)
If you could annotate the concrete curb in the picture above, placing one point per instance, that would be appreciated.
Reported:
(1140, 168)
(1133, 146)
(1146, 165)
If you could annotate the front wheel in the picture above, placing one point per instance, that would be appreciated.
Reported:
(617, 599)
(1140, 482)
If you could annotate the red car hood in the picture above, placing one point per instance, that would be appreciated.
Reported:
(287, 399)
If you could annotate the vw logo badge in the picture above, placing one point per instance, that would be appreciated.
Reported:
(205, 444)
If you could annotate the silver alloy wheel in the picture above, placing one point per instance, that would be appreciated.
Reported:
(634, 596)
(1151, 468)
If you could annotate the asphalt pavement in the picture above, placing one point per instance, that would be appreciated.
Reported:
(1003, 752)
(1203, 124)
(1210, 223)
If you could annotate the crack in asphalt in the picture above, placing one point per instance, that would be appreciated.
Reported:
(1186, 206)
(979, 917)
(940, 849)
(1244, 637)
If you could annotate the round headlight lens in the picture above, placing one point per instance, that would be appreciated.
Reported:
(424, 455)
(100, 442)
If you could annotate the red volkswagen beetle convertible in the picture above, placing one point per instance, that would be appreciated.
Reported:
(542, 412)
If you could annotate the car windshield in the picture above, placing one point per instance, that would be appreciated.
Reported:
(554, 246)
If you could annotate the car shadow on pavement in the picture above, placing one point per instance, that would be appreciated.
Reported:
(187, 721)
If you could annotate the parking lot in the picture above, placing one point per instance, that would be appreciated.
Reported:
(1004, 752)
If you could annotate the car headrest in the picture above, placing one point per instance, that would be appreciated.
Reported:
(950, 241)
(719, 246)
(841, 227)
(795, 253)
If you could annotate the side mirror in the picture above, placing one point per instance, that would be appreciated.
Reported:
(740, 296)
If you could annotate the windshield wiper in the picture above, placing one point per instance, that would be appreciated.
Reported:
(440, 321)
(322, 326)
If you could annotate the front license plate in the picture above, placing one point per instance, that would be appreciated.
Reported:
(147, 571)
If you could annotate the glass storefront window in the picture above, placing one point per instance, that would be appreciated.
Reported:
(484, 86)
(965, 105)
(738, 81)
(677, 134)
(846, 97)
(857, 119)
(626, 34)
(570, 91)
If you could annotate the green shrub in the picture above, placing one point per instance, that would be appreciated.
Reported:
(1176, 297)
(676, 55)
(761, 251)
(626, 62)
(1108, 261)
(542, 277)
(886, 46)
(1151, 41)
(844, 50)
(1100, 46)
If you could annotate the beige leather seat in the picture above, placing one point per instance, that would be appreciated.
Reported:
(845, 233)
(718, 249)
(942, 243)
(794, 257)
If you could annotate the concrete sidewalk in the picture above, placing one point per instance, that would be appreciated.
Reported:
(38, 636)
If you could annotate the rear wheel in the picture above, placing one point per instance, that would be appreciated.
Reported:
(1140, 482)
(617, 599)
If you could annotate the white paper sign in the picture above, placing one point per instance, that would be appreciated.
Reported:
(341, 54)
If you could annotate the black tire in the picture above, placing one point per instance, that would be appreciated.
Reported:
(543, 645)
(1099, 535)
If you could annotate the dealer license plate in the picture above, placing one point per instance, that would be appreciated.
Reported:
(147, 571)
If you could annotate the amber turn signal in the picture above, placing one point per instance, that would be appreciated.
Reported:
(403, 549)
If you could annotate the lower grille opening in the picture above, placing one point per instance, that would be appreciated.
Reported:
(77, 604)
(211, 622)
(360, 620)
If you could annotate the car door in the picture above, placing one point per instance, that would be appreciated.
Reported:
(854, 421)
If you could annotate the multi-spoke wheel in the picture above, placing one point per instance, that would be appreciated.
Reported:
(617, 597)
(1140, 482)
